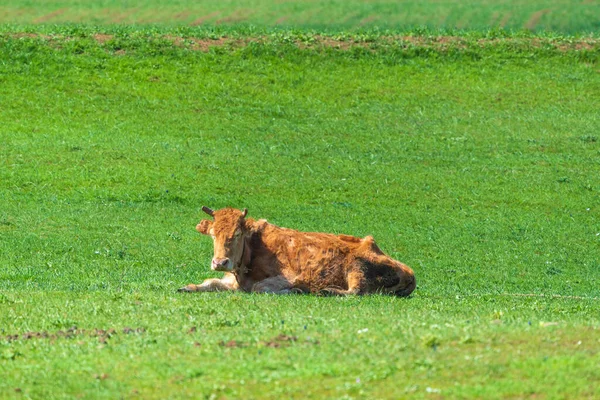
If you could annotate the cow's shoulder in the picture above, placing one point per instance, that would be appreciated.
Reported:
(256, 225)
(261, 223)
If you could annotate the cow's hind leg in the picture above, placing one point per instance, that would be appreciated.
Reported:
(354, 280)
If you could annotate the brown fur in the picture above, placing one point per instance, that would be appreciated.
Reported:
(262, 257)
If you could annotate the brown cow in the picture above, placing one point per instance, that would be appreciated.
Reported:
(257, 256)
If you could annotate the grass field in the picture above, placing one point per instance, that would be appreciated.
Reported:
(555, 15)
(473, 159)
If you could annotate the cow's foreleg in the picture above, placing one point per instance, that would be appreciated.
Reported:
(213, 285)
(276, 284)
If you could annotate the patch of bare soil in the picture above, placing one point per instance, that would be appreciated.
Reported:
(102, 38)
(330, 42)
(48, 17)
(442, 43)
(280, 341)
(204, 18)
(25, 35)
(238, 15)
(535, 18)
(183, 15)
(281, 20)
(72, 332)
(233, 343)
(505, 20)
(198, 44)
(368, 20)
(120, 17)
(28, 35)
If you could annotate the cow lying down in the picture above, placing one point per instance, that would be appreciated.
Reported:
(257, 256)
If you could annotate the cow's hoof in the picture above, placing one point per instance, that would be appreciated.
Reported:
(185, 289)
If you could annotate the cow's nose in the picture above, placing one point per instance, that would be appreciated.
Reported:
(220, 262)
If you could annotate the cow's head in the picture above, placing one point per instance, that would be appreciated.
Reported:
(229, 232)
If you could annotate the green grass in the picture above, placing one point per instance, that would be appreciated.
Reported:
(555, 15)
(373, 347)
(476, 163)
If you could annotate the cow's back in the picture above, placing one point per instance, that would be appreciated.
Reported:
(314, 260)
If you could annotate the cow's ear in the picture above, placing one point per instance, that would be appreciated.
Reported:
(204, 226)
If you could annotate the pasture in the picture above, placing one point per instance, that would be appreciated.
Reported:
(473, 157)
(550, 15)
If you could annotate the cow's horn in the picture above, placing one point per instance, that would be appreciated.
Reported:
(208, 211)
(245, 212)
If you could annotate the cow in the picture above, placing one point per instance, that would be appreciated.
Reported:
(257, 256)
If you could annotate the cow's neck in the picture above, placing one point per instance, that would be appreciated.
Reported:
(242, 270)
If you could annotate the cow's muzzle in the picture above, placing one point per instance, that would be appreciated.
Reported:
(221, 264)
(411, 284)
